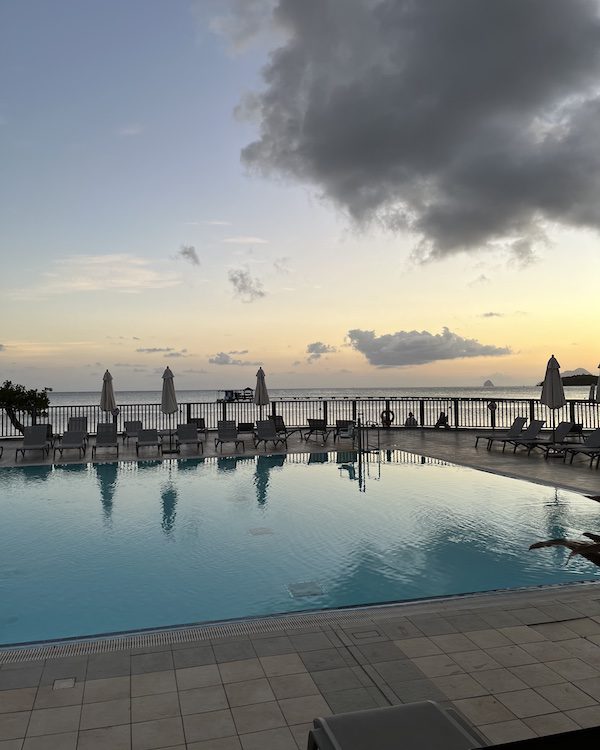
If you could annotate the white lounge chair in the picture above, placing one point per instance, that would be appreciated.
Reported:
(514, 430)
(106, 437)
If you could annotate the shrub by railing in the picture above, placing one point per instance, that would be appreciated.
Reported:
(471, 413)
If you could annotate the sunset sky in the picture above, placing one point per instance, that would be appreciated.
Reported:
(348, 192)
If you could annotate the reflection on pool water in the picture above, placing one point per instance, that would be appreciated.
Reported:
(88, 549)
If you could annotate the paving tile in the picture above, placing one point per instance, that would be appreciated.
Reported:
(328, 658)
(591, 686)
(279, 665)
(274, 739)
(105, 714)
(485, 709)
(102, 666)
(498, 618)
(53, 720)
(198, 656)
(274, 646)
(13, 725)
(16, 744)
(418, 690)
(507, 731)
(526, 702)
(300, 734)
(259, 717)
(499, 680)
(56, 669)
(300, 710)
(293, 685)
(47, 697)
(437, 666)
(63, 741)
(459, 686)
(246, 669)
(546, 651)
(551, 724)
(531, 616)
(160, 661)
(511, 656)
(153, 683)
(585, 626)
(150, 707)
(149, 735)
(583, 649)
(559, 611)
(398, 628)
(221, 743)
(453, 642)
(432, 625)
(536, 675)
(522, 634)
(200, 700)
(328, 680)
(378, 652)
(193, 677)
(474, 661)
(585, 717)
(248, 692)
(234, 651)
(358, 699)
(108, 688)
(20, 699)
(566, 696)
(467, 621)
(555, 631)
(396, 671)
(310, 642)
(115, 738)
(488, 638)
(423, 646)
(367, 634)
(12, 679)
(574, 669)
(208, 726)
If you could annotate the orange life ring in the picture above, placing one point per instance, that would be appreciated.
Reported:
(387, 417)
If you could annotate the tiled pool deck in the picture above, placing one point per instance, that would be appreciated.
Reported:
(515, 664)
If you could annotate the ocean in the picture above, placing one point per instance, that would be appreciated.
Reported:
(92, 398)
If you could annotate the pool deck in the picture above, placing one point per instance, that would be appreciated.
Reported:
(515, 664)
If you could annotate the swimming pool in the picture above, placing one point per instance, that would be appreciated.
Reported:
(89, 549)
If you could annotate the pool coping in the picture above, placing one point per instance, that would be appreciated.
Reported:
(185, 634)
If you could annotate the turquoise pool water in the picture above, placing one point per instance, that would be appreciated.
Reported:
(89, 549)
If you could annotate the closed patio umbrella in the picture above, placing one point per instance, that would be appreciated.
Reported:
(261, 395)
(168, 404)
(553, 394)
(107, 397)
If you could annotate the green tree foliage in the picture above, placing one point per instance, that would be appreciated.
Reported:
(15, 399)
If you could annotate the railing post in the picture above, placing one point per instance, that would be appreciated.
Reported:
(531, 410)
(354, 410)
(456, 413)
(572, 411)
(273, 409)
(422, 413)
(224, 411)
(325, 412)
(188, 412)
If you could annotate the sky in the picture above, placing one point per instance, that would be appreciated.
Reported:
(346, 192)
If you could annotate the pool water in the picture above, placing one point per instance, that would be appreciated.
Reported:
(89, 549)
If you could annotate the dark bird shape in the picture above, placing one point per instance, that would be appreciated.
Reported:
(591, 551)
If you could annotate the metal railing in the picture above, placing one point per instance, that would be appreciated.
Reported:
(470, 413)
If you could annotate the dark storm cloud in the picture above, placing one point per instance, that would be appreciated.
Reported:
(463, 121)
(405, 348)
(189, 254)
(245, 286)
(317, 349)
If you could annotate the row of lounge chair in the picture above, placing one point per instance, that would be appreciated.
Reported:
(556, 443)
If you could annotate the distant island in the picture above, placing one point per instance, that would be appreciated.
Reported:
(488, 384)
(588, 379)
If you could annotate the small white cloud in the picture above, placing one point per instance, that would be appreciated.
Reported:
(222, 358)
(245, 240)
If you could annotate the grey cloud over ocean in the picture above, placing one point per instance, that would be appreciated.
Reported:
(245, 286)
(317, 349)
(406, 348)
(464, 122)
